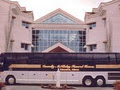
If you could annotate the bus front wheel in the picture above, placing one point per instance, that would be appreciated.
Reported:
(10, 80)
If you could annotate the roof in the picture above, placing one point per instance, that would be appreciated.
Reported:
(59, 11)
(58, 45)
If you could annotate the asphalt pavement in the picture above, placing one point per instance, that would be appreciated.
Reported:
(37, 87)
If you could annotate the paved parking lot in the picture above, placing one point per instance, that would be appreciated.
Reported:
(37, 87)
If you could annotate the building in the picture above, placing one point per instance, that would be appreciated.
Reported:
(15, 29)
(103, 28)
(58, 31)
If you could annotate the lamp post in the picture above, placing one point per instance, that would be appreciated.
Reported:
(58, 78)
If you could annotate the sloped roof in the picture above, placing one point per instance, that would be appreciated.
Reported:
(57, 45)
(59, 11)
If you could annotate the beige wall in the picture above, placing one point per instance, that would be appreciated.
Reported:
(13, 34)
(4, 15)
(101, 34)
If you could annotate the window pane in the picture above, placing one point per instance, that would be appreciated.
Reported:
(73, 39)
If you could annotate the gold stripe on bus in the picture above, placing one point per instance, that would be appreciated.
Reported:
(61, 66)
(51, 66)
(108, 66)
(24, 66)
(74, 66)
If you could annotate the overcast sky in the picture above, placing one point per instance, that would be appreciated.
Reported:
(75, 7)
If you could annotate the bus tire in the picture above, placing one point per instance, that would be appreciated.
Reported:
(10, 80)
(100, 81)
(88, 81)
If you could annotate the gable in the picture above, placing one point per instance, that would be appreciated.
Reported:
(58, 47)
(59, 19)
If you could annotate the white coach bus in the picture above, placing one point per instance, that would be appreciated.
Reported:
(88, 69)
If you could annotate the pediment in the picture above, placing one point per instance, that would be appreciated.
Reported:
(58, 47)
(59, 17)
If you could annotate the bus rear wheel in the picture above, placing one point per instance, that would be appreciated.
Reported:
(88, 81)
(100, 81)
(10, 80)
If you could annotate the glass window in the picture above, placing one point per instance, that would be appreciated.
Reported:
(92, 25)
(25, 46)
(45, 44)
(73, 39)
(80, 32)
(22, 45)
(92, 47)
(105, 43)
(25, 24)
(33, 37)
(37, 31)
(33, 31)
(84, 33)
(104, 19)
(37, 44)
(59, 18)
(84, 49)
(37, 49)
(12, 20)
(33, 42)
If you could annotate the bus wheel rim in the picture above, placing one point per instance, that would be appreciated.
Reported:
(99, 82)
(88, 82)
(11, 80)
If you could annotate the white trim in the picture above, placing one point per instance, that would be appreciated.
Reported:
(27, 42)
(91, 43)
